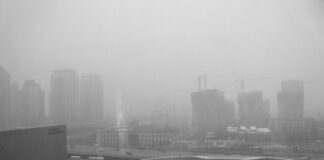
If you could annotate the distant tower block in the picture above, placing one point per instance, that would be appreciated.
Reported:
(5, 98)
(33, 104)
(210, 111)
(253, 109)
(91, 99)
(291, 100)
(64, 100)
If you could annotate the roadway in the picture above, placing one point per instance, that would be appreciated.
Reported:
(136, 154)
(139, 154)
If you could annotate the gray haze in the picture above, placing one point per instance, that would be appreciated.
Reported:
(152, 50)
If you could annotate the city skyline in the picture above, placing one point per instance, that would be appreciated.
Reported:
(48, 108)
(149, 79)
(88, 107)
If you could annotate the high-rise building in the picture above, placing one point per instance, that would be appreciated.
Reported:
(64, 97)
(33, 104)
(91, 99)
(253, 109)
(16, 105)
(294, 132)
(292, 128)
(5, 99)
(291, 100)
(210, 111)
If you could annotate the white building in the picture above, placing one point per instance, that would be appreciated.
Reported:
(114, 138)
(223, 143)
(153, 139)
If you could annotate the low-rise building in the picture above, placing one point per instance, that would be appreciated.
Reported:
(222, 143)
(114, 138)
(143, 137)
(188, 144)
(153, 139)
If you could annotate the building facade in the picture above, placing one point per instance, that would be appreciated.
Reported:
(91, 99)
(253, 109)
(16, 104)
(219, 143)
(155, 139)
(5, 99)
(291, 126)
(64, 97)
(295, 131)
(210, 111)
(291, 100)
(114, 138)
(32, 104)
(142, 137)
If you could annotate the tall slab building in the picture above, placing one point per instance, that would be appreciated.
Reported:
(32, 104)
(291, 100)
(64, 97)
(253, 109)
(291, 126)
(16, 105)
(210, 111)
(5, 99)
(91, 99)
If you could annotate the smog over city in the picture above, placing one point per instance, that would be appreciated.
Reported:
(146, 78)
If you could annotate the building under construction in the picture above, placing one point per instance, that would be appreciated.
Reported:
(253, 109)
(291, 100)
(210, 111)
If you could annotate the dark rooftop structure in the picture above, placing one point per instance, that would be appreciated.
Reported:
(44, 143)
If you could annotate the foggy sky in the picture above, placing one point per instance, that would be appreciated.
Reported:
(153, 50)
